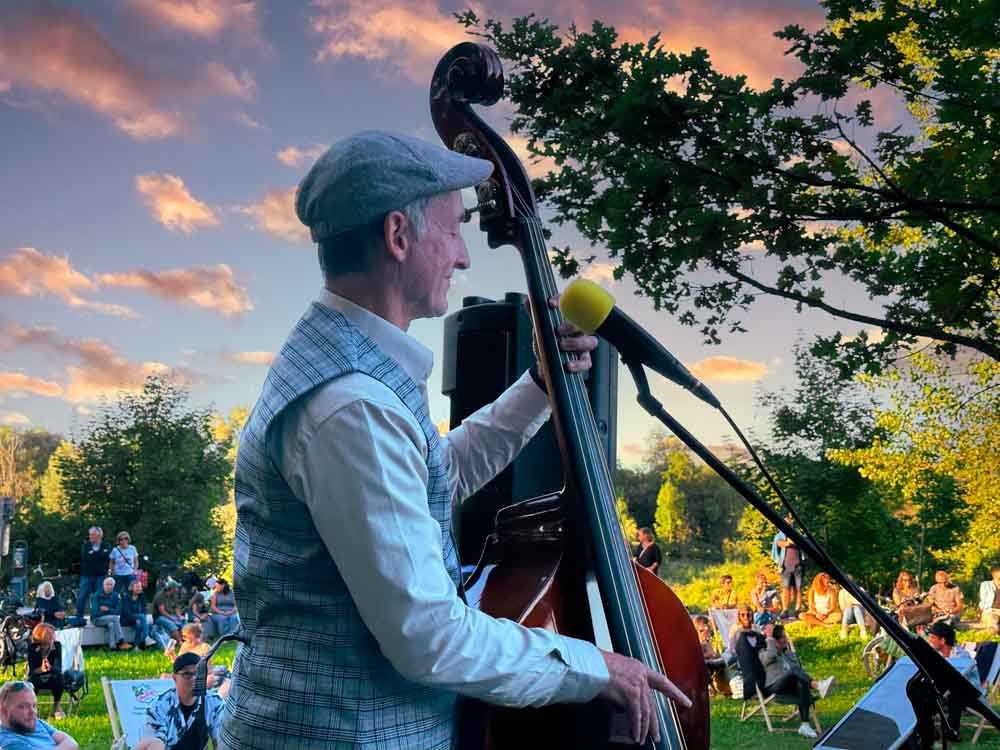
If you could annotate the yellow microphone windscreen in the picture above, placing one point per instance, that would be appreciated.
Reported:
(585, 304)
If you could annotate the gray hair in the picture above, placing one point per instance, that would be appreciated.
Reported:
(98, 529)
(43, 587)
(110, 578)
(355, 251)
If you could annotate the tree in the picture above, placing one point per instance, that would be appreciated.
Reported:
(939, 447)
(689, 178)
(855, 519)
(629, 527)
(151, 465)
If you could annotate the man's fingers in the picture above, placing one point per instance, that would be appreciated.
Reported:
(659, 682)
(634, 709)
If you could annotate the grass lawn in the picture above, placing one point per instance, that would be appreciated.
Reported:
(821, 653)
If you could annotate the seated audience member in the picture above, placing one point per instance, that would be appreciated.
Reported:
(648, 554)
(20, 727)
(941, 636)
(168, 617)
(784, 675)
(198, 612)
(906, 595)
(134, 614)
(766, 601)
(724, 597)
(714, 662)
(946, 599)
(223, 608)
(822, 601)
(175, 720)
(190, 641)
(989, 601)
(744, 623)
(48, 605)
(45, 665)
(106, 611)
(853, 613)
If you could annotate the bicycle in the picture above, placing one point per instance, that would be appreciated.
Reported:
(881, 652)
(66, 586)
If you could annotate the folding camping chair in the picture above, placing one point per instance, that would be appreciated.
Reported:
(127, 701)
(75, 687)
(988, 664)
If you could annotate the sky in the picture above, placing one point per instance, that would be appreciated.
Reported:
(151, 153)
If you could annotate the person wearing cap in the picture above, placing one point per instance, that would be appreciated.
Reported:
(941, 635)
(175, 721)
(346, 570)
(20, 727)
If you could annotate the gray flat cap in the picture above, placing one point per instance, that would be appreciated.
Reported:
(364, 177)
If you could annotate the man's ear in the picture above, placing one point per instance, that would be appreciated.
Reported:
(397, 235)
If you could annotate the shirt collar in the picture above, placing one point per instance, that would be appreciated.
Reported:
(415, 358)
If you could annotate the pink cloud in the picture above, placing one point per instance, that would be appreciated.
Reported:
(30, 272)
(222, 80)
(16, 419)
(62, 52)
(250, 358)
(408, 37)
(172, 205)
(293, 156)
(275, 214)
(15, 382)
(205, 18)
(99, 371)
(209, 287)
(728, 369)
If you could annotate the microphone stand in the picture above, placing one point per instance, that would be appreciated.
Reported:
(947, 682)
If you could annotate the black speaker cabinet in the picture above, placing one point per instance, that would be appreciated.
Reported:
(487, 346)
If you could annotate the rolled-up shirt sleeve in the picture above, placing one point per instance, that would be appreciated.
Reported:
(362, 472)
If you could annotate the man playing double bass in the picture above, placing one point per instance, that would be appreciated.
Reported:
(346, 572)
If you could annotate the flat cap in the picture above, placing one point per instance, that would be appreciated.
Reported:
(362, 178)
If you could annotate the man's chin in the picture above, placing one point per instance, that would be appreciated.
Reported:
(20, 728)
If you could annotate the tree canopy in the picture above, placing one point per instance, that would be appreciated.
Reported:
(711, 193)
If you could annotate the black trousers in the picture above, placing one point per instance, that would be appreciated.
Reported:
(925, 706)
(794, 685)
(51, 681)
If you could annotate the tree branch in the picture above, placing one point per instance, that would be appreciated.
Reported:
(905, 328)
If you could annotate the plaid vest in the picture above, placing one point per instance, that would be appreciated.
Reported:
(313, 676)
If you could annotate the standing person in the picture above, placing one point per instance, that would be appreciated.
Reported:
(123, 563)
(94, 555)
(784, 675)
(789, 560)
(20, 727)
(45, 665)
(989, 601)
(222, 606)
(134, 614)
(346, 572)
(946, 599)
(107, 611)
(648, 553)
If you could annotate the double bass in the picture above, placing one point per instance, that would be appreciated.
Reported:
(563, 563)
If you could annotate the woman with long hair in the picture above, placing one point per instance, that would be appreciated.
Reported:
(45, 665)
(223, 608)
(823, 606)
(907, 597)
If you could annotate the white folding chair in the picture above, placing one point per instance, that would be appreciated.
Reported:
(127, 701)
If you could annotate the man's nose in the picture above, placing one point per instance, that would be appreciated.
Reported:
(463, 261)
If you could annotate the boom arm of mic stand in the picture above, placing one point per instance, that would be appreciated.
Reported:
(947, 680)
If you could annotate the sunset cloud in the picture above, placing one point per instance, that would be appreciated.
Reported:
(205, 18)
(408, 37)
(60, 51)
(599, 273)
(171, 203)
(32, 273)
(15, 419)
(224, 81)
(99, 371)
(275, 214)
(250, 358)
(16, 382)
(298, 157)
(248, 122)
(210, 287)
(728, 369)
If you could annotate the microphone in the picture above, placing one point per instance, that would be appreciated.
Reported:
(590, 308)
